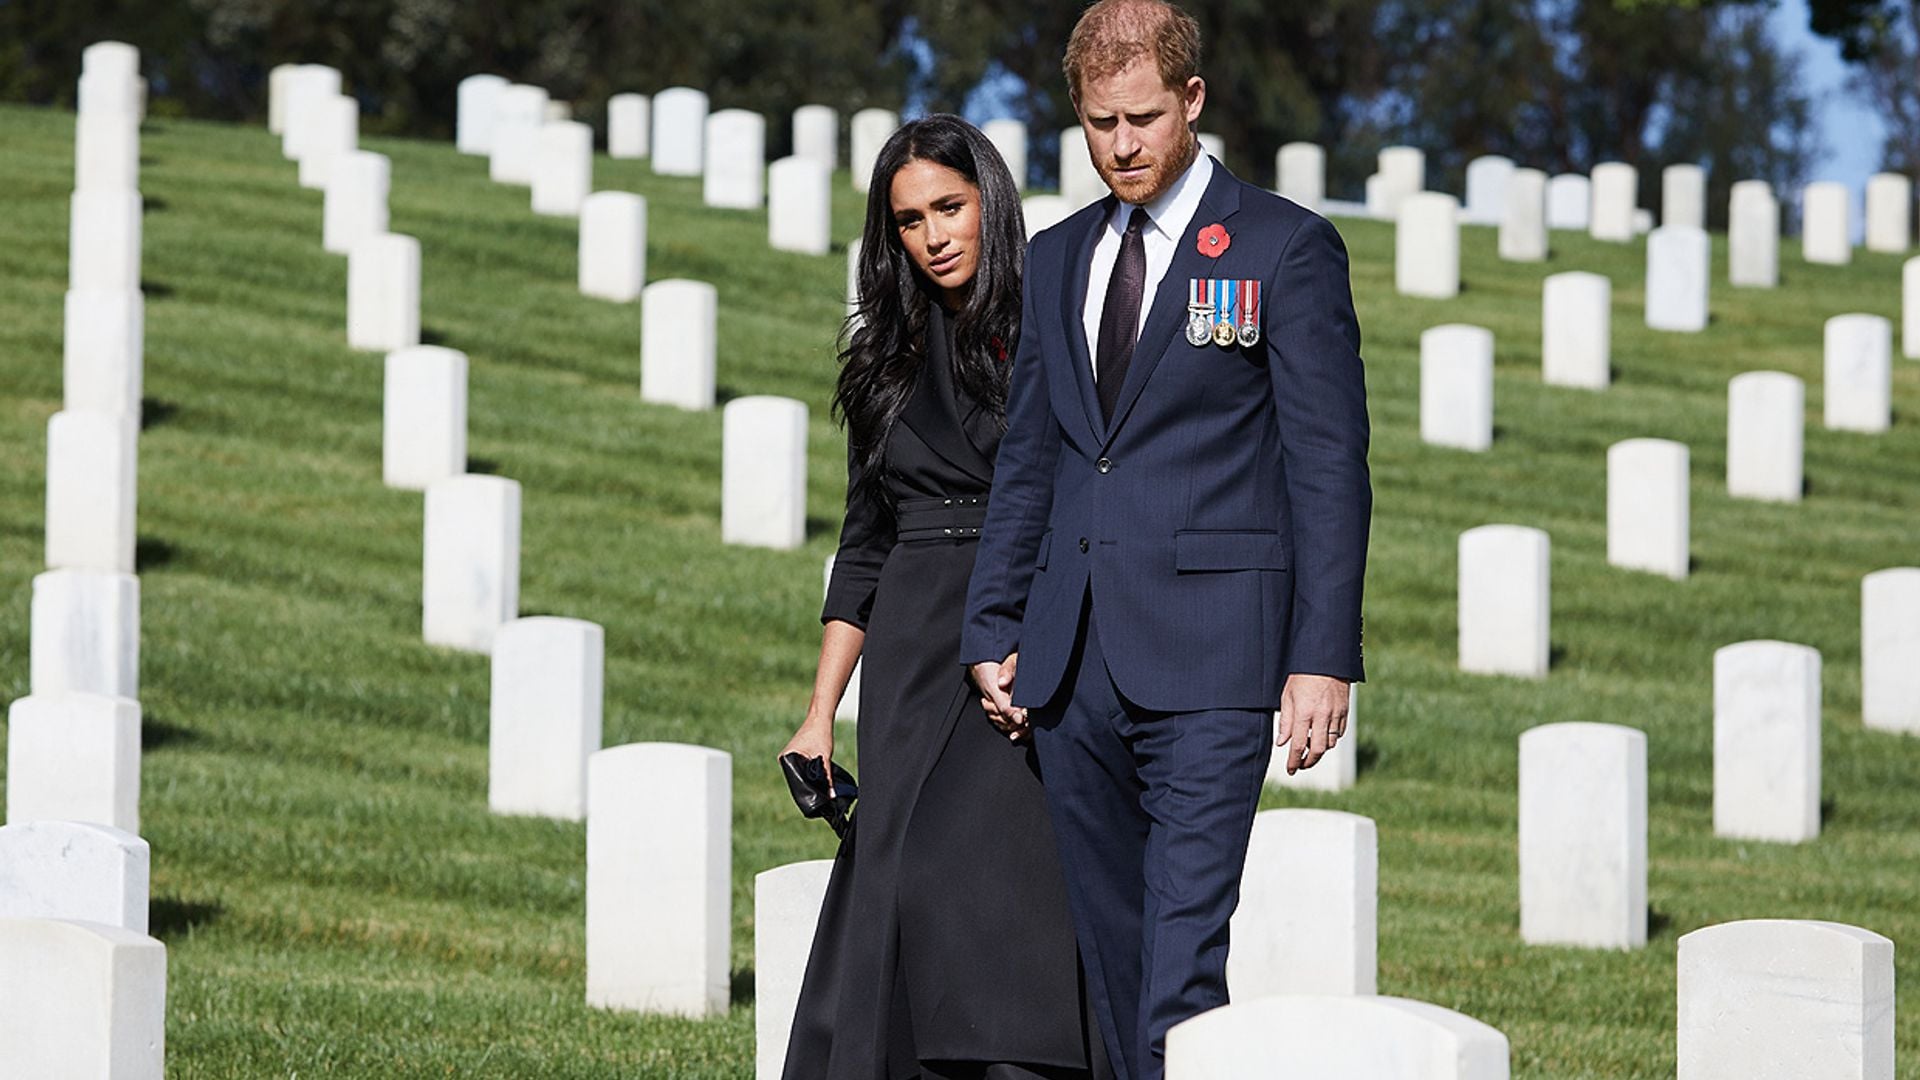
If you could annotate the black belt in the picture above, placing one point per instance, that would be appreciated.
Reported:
(959, 517)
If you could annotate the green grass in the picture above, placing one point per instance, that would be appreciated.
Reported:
(335, 897)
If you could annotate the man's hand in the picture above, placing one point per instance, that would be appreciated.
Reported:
(1313, 716)
(996, 696)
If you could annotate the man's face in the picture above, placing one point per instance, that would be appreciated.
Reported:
(1137, 129)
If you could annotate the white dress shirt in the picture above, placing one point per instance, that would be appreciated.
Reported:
(1171, 213)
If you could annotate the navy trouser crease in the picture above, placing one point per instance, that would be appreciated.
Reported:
(1152, 812)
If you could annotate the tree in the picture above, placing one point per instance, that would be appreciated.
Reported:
(1881, 38)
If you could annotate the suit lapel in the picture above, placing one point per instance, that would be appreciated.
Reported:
(1073, 302)
(1218, 203)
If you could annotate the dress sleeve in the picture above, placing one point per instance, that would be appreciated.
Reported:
(866, 536)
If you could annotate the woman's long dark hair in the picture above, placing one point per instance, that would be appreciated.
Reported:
(884, 341)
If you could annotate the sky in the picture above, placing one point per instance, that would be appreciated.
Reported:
(1849, 128)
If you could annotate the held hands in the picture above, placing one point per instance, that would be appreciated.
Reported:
(814, 740)
(996, 696)
(1313, 716)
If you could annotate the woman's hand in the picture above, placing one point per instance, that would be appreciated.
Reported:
(814, 740)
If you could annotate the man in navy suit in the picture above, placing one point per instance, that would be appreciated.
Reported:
(1176, 538)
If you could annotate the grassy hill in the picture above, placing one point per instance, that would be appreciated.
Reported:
(336, 898)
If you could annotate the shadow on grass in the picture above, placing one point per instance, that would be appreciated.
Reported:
(151, 554)
(741, 992)
(484, 466)
(431, 336)
(170, 916)
(155, 411)
(156, 290)
(1556, 655)
(151, 205)
(156, 733)
(819, 526)
(1658, 923)
(1365, 758)
(1827, 815)
(723, 394)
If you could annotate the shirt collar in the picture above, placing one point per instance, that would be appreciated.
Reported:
(1174, 209)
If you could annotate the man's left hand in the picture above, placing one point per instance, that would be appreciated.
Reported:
(1313, 717)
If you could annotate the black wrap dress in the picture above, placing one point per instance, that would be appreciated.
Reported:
(944, 948)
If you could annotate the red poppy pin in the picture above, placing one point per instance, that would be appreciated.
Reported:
(999, 349)
(1214, 241)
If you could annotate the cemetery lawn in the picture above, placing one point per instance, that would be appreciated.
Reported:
(334, 895)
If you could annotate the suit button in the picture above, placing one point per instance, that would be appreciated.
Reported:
(1104, 466)
(1083, 545)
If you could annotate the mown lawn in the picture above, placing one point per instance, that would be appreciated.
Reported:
(337, 900)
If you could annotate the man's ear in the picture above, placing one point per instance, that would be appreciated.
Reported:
(1196, 95)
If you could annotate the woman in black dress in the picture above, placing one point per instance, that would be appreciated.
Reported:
(944, 950)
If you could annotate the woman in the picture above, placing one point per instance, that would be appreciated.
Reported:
(944, 949)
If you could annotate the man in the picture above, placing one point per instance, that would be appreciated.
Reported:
(1176, 539)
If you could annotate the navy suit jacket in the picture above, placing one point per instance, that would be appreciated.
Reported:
(1221, 518)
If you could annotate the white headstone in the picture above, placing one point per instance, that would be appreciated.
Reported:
(1274, 950)
(383, 293)
(679, 131)
(74, 757)
(473, 115)
(279, 85)
(800, 206)
(557, 111)
(1678, 273)
(1336, 771)
(1766, 420)
(1523, 226)
(629, 132)
(1576, 346)
(1214, 146)
(871, 130)
(736, 160)
(1683, 196)
(1044, 212)
(104, 241)
(1826, 223)
(1753, 236)
(1376, 198)
(1504, 610)
(1910, 309)
(1569, 202)
(1009, 137)
(1456, 386)
(1403, 172)
(563, 170)
(424, 433)
(73, 870)
(1647, 506)
(106, 151)
(1859, 373)
(1583, 836)
(1426, 250)
(358, 185)
(96, 1005)
(307, 87)
(613, 245)
(86, 633)
(471, 572)
(1766, 741)
(1786, 999)
(1642, 222)
(1890, 650)
(786, 908)
(519, 111)
(1302, 171)
(1889, 213)
(548, 679)
(335, 131)
(1330, 1037)
(110, 57)
(103, 350)
(659, 886)
(1616, 192)
(763, 501)
(677, 324)
(1487, 179)
(91, 479)
(816, 135)
(1080, 182)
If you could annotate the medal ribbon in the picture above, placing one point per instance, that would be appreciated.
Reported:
(1249, 303)
(1223, 303)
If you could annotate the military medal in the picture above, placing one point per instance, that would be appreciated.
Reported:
(1199, 308)
(1249, 314)
(1224, 333)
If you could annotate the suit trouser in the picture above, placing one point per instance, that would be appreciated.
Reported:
(1152, 812)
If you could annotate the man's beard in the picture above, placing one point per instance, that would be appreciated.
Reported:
(1160, 177)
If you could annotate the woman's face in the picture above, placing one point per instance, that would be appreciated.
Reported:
(937, 213)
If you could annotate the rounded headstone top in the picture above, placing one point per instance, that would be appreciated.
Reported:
(1747, 934)
(1302, 817)
(73, 934)
(659, 755)
(1582, 732)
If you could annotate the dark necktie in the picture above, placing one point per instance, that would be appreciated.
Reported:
(1120, 316)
